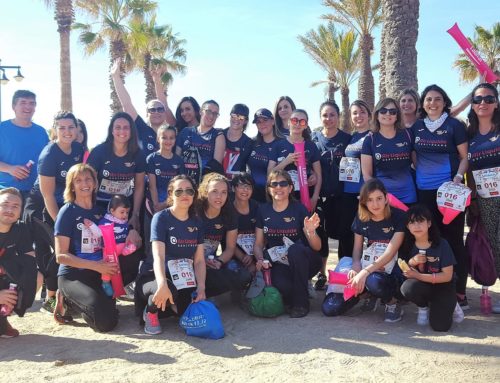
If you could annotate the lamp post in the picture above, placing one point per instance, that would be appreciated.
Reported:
(4, 80)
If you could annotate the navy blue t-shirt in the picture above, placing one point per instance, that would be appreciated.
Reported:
(147, 137)
(259, 159)
(437, 154)
(484, 151)
(276, 225)
(53, 162)
(283, 148)
(380, 231)
(392, 163)
(70, 223)
(438, 257)
(353, 150)
(181, 238)
(246, 222)
(205, 143)
(164, 170)
(215, 229)
(236, 155)
(115, 174)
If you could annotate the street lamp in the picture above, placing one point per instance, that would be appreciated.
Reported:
(4, 80)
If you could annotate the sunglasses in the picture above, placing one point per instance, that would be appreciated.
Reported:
(295, 121)
(160, 109)
(275, 184)
(189, 192)
(489, 99)
(238, 117)
(391, 111)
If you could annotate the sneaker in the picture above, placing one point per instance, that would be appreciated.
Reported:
(423, 316)
(10, 332)
(393, 313)
(370, 304)
(464, 303)
(129, 292)
(495, 309)
(60, 310)
(298, 312)
(151, 323)
(321, 282)
(108, 289)
(458, 314)
(310, 290)
(48, 305)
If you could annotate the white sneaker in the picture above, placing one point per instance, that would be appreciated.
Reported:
(310, 290)
(458, 314)
(495, 309)
(423, 316)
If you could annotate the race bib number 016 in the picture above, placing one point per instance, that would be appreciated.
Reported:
(453, 195)
(182, 273)
(374, 252)
(487, 182)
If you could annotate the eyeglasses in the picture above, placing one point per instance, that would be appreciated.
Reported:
(295, 121)
(244, 186)
(489, 99)
(391, 111)
(238, 117)
(211, 113)
(189, 192)
(261, 120)
(275, 184)
(160, 109)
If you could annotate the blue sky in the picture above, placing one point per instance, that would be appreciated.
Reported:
(245, 53)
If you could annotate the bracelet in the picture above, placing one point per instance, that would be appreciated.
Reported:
(459, 176)
(433, 278)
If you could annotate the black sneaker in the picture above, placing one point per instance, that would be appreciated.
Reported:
(463, 302)
(321, 282)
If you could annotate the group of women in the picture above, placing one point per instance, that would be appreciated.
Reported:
(218, 203)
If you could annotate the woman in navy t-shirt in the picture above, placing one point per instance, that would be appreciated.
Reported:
(441, 156)
(286, 236)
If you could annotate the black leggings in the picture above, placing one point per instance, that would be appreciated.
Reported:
(339, 215)
(453, 233)
(83, 290)
(291, 281)
(441, 299)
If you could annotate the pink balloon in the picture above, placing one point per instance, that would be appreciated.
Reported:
(110, 255)
(302, 173)
(394, 202)
(450, 214)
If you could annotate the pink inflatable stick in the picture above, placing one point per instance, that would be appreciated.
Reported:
(469, 50)
(302, 173)
(334, 277)
(394, 202)
(110, 255)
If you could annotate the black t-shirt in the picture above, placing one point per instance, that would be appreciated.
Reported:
(215, 229)
(147, 137)
(438, 257)
(381, 231)
(16, 242)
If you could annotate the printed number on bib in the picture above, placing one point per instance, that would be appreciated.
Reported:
(349, 169)
(374, 252)
(487, 182)
(246, 242)
(453, 195)
(182, 273)
(116, 187)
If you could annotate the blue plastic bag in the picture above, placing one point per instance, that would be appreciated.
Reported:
(202, 319)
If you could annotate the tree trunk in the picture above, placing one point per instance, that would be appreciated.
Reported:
(150, 85)
(366, 91)
(381, 71)
(64, 16)
(116, 50)
(346, 126)
(401, 24)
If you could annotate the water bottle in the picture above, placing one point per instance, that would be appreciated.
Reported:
(266, 272)
(6, 310)
(485, 301)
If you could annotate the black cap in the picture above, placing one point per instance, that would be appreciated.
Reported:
(263, 112)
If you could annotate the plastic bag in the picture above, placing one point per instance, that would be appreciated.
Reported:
(267, 304)
(202, 319)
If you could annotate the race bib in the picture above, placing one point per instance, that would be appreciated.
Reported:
(453, 196)
(91, 239)
(294, 175)
(279, 253)
(210, 247)
(374, 252)
(116, 187)
(350, 169)
(182, 273)
(487, 182)
(246, 242)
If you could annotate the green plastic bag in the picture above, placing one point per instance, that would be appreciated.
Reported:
(267, 304)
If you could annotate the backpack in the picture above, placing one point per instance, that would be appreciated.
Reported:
(480, 256)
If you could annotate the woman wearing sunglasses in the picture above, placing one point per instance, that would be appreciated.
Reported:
(267, 137)
(386, 153)
(286, 236)
(157, 111)
(284, 156)
(441, 156)
(484, 161)
(238, 144)
(176, 267)
(187, 113)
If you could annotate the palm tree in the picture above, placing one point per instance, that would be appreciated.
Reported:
(487, 44)
(111, 18)
(399, 52)
(336, 51)
(64, 15)
(362, 16)
(152, 45)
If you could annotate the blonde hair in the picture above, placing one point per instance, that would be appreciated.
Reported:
(368, 188)
(73, 172)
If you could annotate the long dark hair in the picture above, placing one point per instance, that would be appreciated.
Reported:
(419, 213)
(436, 88)
(306, 133)
(170, 191)
(473, 127)
(132, 144)
(277, 119)
(181, 124)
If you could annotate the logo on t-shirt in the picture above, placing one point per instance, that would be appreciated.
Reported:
(150, 147)
(387, 230)
(218, 226)
(173, 240)
(80, 226)
(288, 219)
(192, 229)
(105, 173)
